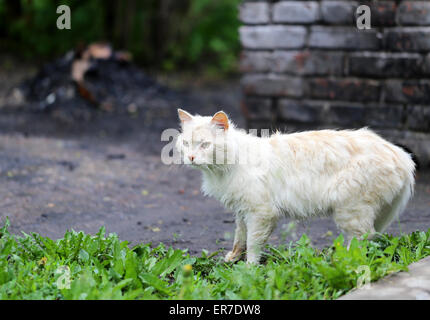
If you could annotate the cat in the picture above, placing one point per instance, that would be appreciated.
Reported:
(361, 180)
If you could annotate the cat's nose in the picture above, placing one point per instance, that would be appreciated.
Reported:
(191, 158)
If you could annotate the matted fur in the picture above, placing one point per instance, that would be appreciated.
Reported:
(355, 176)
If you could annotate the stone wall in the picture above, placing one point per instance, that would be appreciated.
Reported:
(306, 65)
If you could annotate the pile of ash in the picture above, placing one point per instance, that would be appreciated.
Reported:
(94, 80)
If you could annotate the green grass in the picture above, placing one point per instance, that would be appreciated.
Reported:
(103, 267)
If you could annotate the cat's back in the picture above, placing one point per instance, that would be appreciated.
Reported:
(311, 142)
(329, 136)
(336, 149)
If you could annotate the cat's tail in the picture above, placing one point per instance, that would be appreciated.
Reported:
(397, 206)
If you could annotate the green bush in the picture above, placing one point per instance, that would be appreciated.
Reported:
(100, 267)
(210, 34)
(161, 34)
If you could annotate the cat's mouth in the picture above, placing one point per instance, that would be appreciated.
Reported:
(194, 164)
(198, 165)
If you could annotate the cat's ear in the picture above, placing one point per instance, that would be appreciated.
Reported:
(184, 116)
(220, 119)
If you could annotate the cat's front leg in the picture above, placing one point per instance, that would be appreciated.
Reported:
(259, 228)
(239, 244)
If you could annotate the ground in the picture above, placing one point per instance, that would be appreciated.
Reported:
(108, 172)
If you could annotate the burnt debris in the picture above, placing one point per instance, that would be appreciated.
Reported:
(93, 80)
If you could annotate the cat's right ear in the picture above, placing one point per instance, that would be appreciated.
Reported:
(184, 116)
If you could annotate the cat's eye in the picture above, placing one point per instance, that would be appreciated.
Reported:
(185, 143)
(205, 145)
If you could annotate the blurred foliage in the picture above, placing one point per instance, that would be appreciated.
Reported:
(165, 35)
(98, 267)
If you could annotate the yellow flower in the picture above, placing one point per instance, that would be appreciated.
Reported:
(42, 261)
(187, 269)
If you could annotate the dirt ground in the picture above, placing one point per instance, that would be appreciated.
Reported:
(108, 172)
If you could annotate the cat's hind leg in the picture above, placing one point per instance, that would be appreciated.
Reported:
(239, 243)
(259, 229)
(355, 220)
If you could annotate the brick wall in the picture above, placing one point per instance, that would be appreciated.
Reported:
(305, 66)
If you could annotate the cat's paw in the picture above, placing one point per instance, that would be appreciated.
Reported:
(252, 261)
(231, 257)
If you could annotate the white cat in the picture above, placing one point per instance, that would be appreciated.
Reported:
(355, 176)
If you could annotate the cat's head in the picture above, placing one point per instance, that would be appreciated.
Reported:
(202, 139)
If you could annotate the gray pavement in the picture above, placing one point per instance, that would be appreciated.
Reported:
(411, 285)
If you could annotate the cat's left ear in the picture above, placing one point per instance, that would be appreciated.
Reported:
(220, 119)
(184, 116)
